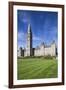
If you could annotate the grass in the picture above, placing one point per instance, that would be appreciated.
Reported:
(36, 68)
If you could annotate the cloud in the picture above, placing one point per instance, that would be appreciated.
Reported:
(23, 16)
(21, 39)
(25, 20)
(36, 38)
(21, 35)
(36, 41)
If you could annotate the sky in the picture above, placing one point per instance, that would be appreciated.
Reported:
(44, 26)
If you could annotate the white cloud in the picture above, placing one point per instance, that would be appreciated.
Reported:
(24, 20)
(21, 35)
(21, 39)
(23, 17)
(36, 38)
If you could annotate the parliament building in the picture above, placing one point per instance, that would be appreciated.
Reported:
(41, 50)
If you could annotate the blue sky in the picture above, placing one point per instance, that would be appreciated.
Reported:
(44, 27)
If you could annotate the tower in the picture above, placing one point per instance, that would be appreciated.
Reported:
(29, 41)
(53, 49)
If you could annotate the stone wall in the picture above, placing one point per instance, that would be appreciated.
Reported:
(39, 51)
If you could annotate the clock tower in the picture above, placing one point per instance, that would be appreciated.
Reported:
(29, 41)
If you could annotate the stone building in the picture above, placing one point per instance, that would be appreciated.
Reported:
(41, 50)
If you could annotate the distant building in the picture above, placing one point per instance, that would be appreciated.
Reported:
(42, 50)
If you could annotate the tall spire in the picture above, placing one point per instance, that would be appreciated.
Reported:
(29, 41)
(29, 28)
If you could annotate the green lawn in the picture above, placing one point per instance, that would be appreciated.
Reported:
(36, 68)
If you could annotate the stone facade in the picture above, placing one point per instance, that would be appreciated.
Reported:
(41, 50)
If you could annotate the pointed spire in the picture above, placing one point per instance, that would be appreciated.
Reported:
(29, 28)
